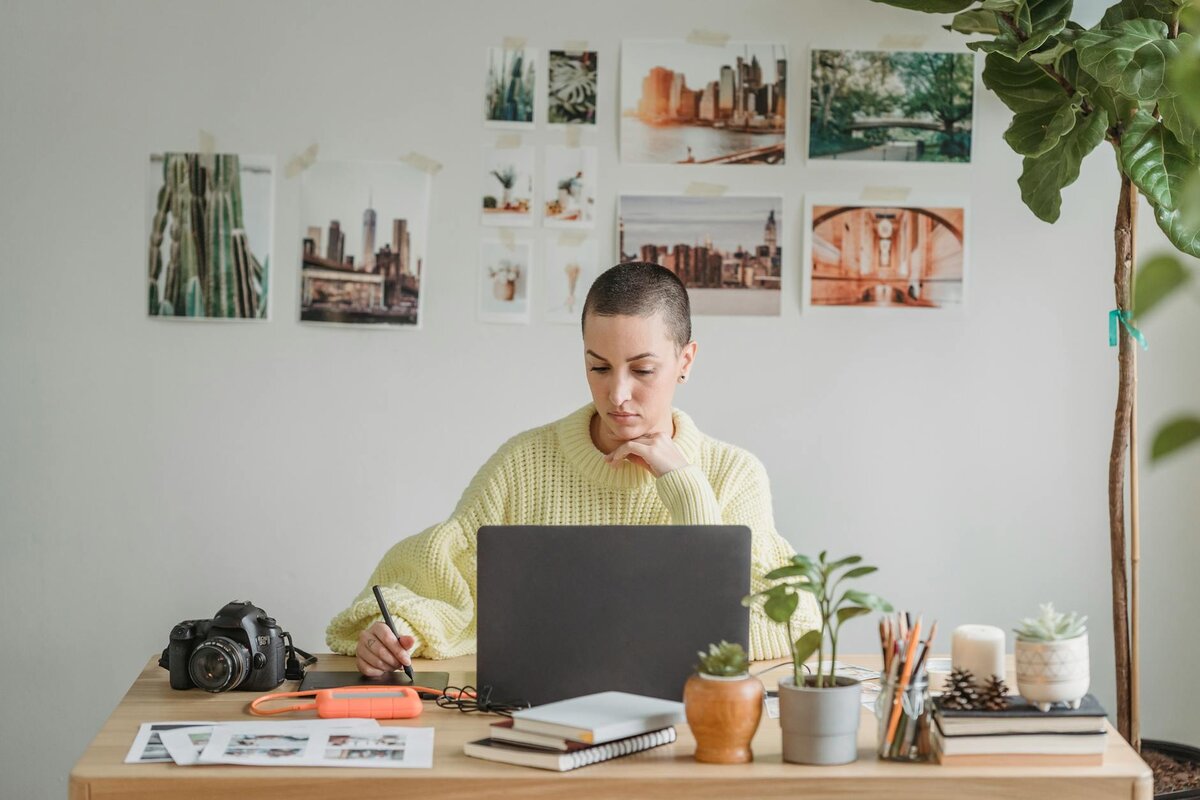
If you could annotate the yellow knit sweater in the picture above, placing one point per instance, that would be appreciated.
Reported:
(554, 475)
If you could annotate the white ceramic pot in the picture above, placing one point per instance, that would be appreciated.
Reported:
(1053, 672)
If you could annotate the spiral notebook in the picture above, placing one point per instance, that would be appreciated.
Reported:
(494, 750)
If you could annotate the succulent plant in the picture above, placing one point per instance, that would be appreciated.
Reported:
(723, 660)
(1051, 626)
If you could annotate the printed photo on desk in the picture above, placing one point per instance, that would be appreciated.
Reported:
(505, 268)
(572, 89)
(684, 103)
(368, 272)
(208, 224)
(874, 105)
(510, 88)
(725, 249)
(883, 255)
(508, 186)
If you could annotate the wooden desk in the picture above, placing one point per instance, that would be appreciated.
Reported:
(667, 771)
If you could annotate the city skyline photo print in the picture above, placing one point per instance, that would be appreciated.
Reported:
(724, 249)
(684, 103)
(363, 238)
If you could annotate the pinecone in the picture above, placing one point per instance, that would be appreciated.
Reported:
(994, 695)
(960, 693)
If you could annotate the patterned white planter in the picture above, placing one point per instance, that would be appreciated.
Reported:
(1053, 672)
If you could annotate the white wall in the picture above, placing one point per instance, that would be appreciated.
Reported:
(154, 471)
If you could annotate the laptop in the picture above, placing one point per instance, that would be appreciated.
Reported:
(565, 611)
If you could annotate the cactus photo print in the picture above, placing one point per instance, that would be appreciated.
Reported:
(509, 91)
(209, 220)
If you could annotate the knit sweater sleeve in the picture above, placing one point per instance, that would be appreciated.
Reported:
(428, 580)
(689, 495)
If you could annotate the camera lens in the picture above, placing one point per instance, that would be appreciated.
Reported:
(219, 664)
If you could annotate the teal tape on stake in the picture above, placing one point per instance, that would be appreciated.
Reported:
(1123, 317)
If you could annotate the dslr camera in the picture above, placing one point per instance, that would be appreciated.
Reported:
(240, 648)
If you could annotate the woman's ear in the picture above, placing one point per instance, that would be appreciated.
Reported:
(687, 356)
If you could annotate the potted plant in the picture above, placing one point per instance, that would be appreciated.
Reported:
(1127, 81)
(819, 713)
(504, 280)
(723, 704)
(1052, 658)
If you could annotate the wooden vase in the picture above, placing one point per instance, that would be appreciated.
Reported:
(723, 714)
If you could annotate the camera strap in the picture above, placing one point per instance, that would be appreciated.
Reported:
(294, 670)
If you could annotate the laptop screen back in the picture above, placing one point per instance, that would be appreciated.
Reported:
(571, 610)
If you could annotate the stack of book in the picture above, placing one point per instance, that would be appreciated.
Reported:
(1021, 734)
(580, 731)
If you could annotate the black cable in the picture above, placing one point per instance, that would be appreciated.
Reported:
(468, 700)
(294, 669)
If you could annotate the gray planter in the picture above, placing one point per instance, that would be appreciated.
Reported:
(820, 726)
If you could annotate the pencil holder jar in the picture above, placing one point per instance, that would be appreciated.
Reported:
(904, 719)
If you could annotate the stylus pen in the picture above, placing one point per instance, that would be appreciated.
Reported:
(387, 618)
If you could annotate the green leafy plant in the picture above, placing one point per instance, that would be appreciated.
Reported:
(506, 176)
(1051, 626)
(723, 660)
(1129, 80)
(820, 578)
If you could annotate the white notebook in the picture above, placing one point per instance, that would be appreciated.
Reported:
(494, 750)
(602, 717)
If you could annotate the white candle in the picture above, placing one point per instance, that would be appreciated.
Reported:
(980, 649)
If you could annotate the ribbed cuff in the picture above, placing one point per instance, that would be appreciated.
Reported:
(689, 497)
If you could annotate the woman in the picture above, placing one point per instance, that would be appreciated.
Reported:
(627, 458)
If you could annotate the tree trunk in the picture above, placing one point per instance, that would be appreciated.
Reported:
(1124, 241)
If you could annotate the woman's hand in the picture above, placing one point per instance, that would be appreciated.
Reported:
(656, 452)
(379, 651)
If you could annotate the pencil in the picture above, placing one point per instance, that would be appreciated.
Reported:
(905, 674)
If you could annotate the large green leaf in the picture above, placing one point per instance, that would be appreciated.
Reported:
(850, 612)
(1118, 106)
(1181, 120)
(1162, 10)
(1046, 18)
(1035, 131)
(1156, 280)
(781, 608)
(930, 6)
(974, 21)
(1130, 57)
(1182, 227)
(1020, 85)
(805, 646)
(1006, 43)
(1183, 74)
(1155, 160)
(1176, 434)
(1044, 177)
(868, 600)
(1006, 6)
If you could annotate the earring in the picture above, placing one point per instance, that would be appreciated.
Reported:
(683, 378)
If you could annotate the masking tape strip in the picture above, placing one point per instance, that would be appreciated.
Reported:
(572, 238)
(514, 42)
(423, 163)
(573, 134)
(701, 189)
(711, 38)
(884, 194)
(506, 236)
(208, 143)
(900, 41)
(575, 47)
(301, 162)
(508, 141)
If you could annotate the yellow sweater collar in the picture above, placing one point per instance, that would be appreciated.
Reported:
(575, 438)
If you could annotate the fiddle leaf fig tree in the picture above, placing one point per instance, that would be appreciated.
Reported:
(1131, 81)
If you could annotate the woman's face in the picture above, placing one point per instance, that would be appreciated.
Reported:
(633, 366)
